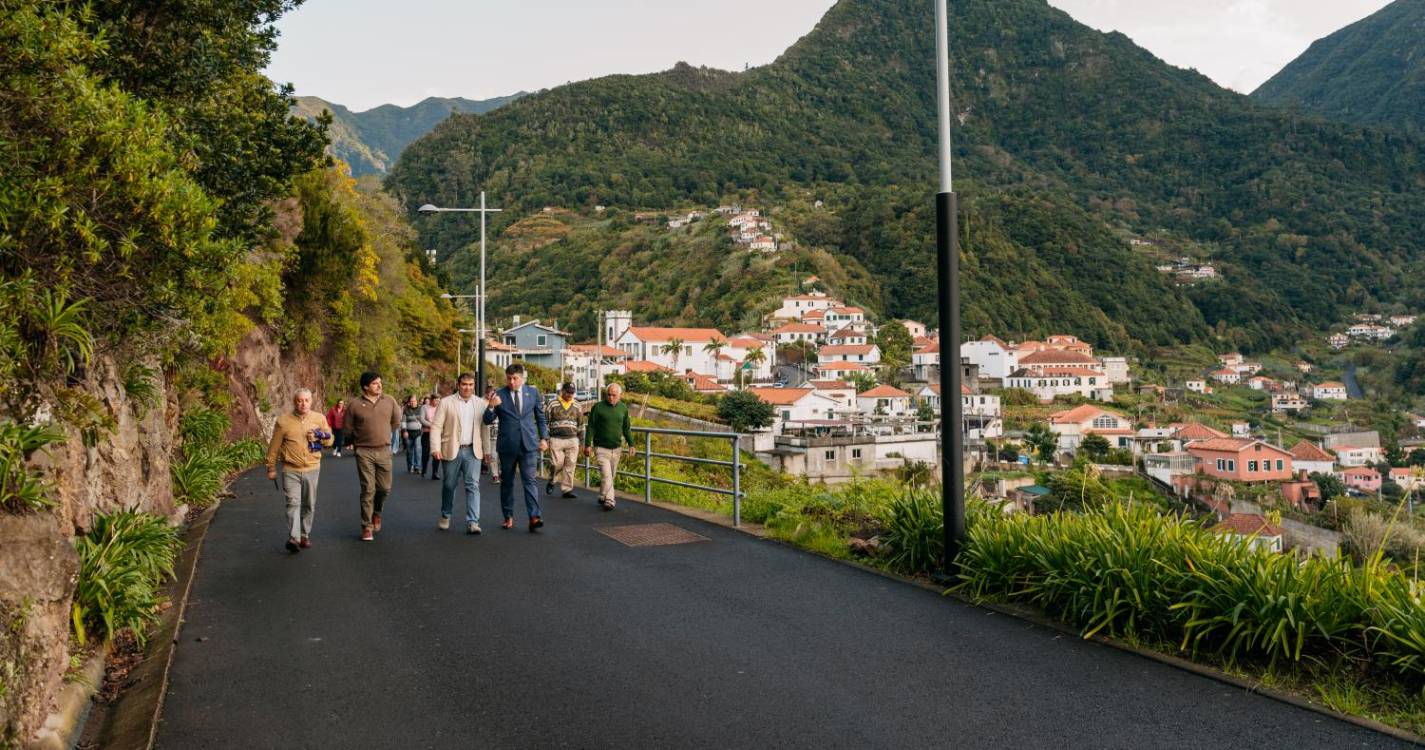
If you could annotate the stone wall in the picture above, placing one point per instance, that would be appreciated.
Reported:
(127, 467)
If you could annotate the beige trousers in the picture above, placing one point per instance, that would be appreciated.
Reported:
(563, 458)
(608, 467)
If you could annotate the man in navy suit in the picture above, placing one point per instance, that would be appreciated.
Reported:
(523, 435)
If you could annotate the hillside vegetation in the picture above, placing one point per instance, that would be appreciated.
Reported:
(1064, 134)
(1369, 73)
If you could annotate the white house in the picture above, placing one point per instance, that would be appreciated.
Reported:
(1227, 377)
(1197, 386)
(1116, 370)
(793, 308)
(1288, 402)
(885, 400)
(845, 317)
(867, 353)
(581, 364)
(1050, 383)
(1073, 425)
(995, 359)
(839, 370)
(1402, 321)
(1062, 359)
(1312, 458)
(1354, 448)
(651, 344)
(921, 360)
(738, 347)
(798, 405)
(916, 329)
(792, 333)
(1329, 391)
(848, 336)
(1338, 341)
(840, 391)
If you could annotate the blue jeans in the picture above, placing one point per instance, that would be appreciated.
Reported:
(464, 464)
(413, 449)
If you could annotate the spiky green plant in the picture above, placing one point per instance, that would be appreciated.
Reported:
(142, 386)
(123, 562)
(20, 489)
(915, 532)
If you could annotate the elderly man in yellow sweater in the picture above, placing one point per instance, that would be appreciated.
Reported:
(295, 455)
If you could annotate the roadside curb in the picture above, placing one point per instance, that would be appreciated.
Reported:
(1035, 617)
(63, 726)
(132, 721)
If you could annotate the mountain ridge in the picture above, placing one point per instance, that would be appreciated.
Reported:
(1371, 72)
(848, 113)
(371, 140)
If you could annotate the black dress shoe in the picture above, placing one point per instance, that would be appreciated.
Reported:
(569, 494)
(549, 488)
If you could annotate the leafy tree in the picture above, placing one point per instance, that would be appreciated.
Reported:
(1417, 457)
(754, 357)
(895, 343)
(862, 381)
(1095, 447)
(1329, 485)
(1042, 441)
(925, 412)
(1076, 490)
(744, 412)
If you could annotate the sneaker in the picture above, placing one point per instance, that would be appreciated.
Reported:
(376, 522)
(367, 535)
(305, 543)
(496, 480)
(549, 488)
(292, 545)
(443, 523)
(473, 528)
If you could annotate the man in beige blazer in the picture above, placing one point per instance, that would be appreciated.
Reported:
(456, 440)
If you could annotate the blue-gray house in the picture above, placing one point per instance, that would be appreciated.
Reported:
(538, 344)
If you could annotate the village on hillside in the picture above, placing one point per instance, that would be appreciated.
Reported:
(1253, 448)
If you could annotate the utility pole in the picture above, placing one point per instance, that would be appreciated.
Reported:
(952, 440)
(480, 308)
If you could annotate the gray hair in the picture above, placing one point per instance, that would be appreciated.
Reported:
(612, 386)
(301, 391)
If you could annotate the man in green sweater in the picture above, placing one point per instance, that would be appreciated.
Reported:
(609, 427)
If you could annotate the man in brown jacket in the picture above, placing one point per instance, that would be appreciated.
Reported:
(456, 441)
(296, 449)
(371, 419)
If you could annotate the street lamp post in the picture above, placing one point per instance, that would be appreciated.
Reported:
(952, 440)
(460, 347)
(480, 313)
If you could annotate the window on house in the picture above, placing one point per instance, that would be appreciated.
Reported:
(855, 452)
(1221, 465)
(1252, 466)
(1281, 465)
(1231, 465)
(786, 415)
(541, 340)
(510, 340)
(1105, 423)
(831, 455)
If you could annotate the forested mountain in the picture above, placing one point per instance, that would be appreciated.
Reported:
(371, 141)
(1371, 72)
(1065, 136)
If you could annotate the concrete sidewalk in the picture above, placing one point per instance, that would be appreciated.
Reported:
(569, 638)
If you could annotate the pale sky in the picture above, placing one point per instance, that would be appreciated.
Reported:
(362, 53)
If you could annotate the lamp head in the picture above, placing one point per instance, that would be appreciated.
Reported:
(427, 209)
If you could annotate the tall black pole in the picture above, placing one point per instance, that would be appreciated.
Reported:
(947, 276)
(480, 368)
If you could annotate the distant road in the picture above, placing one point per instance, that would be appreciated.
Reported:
(568, 638)
(1353, 388)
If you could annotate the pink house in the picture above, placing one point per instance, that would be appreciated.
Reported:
(1361, 478)
(1241, 459)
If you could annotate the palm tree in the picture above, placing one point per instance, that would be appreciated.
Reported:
(754, 357)
(714, 347)
(674, 347)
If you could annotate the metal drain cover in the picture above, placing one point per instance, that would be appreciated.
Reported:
(650, 534)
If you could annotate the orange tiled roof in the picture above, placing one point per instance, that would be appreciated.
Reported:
(1247, 524)
(780, 396)
(688, 335)
(884, 391)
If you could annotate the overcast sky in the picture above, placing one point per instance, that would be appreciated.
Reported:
(362, 53)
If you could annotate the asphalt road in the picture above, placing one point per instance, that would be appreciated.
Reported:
(568, 638)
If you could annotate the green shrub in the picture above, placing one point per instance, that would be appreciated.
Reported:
(202, 472)
(204, 427)
(1125, 570)
(123, 561)
(21, 490)
(141, 385)
(915, 532)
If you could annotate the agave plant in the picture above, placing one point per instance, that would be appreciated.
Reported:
(123, 561)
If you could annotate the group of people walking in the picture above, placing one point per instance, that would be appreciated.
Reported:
(507, 429)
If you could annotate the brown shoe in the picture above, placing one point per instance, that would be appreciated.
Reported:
(535, 523)
(508, 524)
(375, 521)
(305, 543)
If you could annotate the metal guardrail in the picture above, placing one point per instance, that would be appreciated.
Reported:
(735, 443)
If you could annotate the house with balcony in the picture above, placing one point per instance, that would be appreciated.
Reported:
(996, 359)
(1073, 425)
(810, 334)
(869, 354)
(537, 343)
(652, 344)
(1289, 403)
(885, 400)
(1362, 479)
(798, 405)
(1048, 383)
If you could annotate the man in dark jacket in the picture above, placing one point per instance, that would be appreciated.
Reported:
(523, 435)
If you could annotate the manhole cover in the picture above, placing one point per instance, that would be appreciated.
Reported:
(651, 534)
